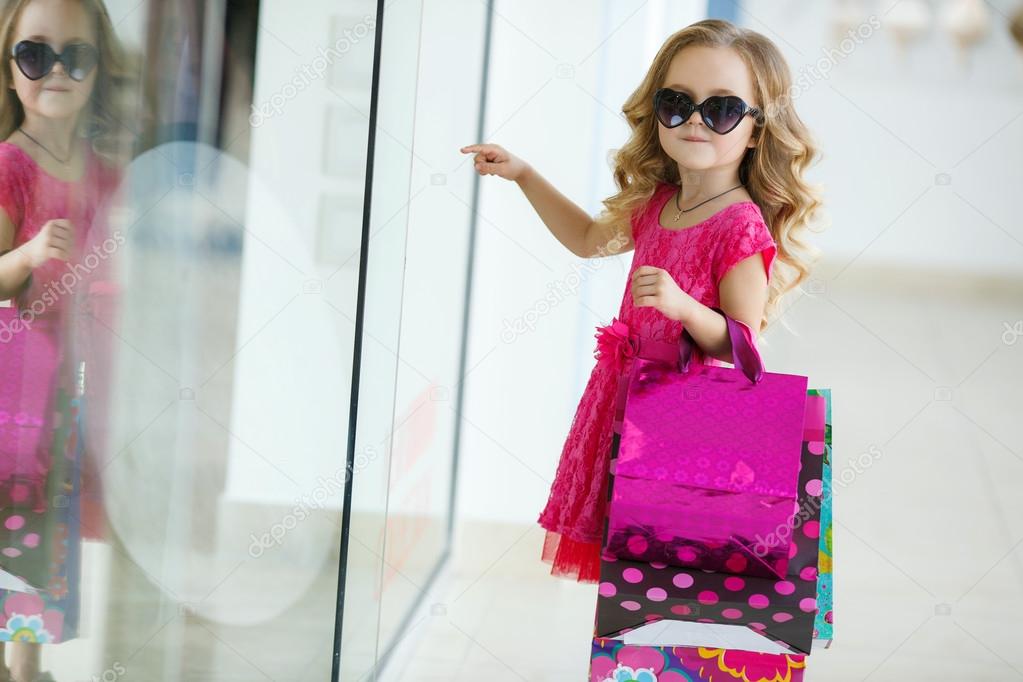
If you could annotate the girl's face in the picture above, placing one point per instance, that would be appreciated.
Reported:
(701, 72)
(57, 23)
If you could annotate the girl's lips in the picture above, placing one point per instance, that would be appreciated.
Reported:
(692, 139)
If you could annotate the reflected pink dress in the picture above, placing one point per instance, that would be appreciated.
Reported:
(697, 257)
(43, 531)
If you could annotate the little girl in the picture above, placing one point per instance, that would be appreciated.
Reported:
(57, 91)
(710, 193)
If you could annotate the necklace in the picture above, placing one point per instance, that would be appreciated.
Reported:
(687, 210)
(62, 162)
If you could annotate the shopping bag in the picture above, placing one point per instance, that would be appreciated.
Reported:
(708, 461)
(824, 622)
(29, 350)
(782, 612)
(66, 510)
(30, 430)
(616, 661)
(94, 317)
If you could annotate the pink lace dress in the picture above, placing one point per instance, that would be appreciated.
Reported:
(697, 257)
(40, 461)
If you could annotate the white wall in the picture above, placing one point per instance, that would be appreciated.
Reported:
(891, 124)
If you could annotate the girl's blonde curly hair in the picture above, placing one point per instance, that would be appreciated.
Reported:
(772, 170)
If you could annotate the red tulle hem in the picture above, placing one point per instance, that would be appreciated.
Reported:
(571, 559)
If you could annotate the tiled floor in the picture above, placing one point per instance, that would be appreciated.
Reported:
(929, 519)
(500, 615)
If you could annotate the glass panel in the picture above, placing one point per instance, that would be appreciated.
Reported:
(409, 357)
(190, 320)
(416, 266)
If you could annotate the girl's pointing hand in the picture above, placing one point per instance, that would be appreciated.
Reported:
(492, 159)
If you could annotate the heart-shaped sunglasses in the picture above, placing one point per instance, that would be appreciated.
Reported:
(721, 113)
(35, 60)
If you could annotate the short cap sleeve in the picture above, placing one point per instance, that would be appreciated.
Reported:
(12, 186)
(744, 235)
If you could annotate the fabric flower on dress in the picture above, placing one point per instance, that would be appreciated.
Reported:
(614, 345)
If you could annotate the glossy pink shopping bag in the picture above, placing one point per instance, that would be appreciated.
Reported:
(708, 460)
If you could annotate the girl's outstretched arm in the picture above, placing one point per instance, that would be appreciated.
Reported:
(569, 223)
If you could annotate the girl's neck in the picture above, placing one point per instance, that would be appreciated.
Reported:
(57, 136)
(699, 186)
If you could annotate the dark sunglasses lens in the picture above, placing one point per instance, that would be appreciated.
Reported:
(34, 59)
(671, 109)
(723, 113)
(79, 60)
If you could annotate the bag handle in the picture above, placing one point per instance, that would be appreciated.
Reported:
(745, 355)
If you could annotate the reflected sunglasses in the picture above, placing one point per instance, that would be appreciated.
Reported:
(35, 60)
(720, 113)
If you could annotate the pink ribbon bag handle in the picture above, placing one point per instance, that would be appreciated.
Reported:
(745, 355)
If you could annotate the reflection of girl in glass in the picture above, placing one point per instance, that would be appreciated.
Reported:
(58, 92)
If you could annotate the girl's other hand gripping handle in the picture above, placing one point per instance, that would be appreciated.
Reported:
(56, 239)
